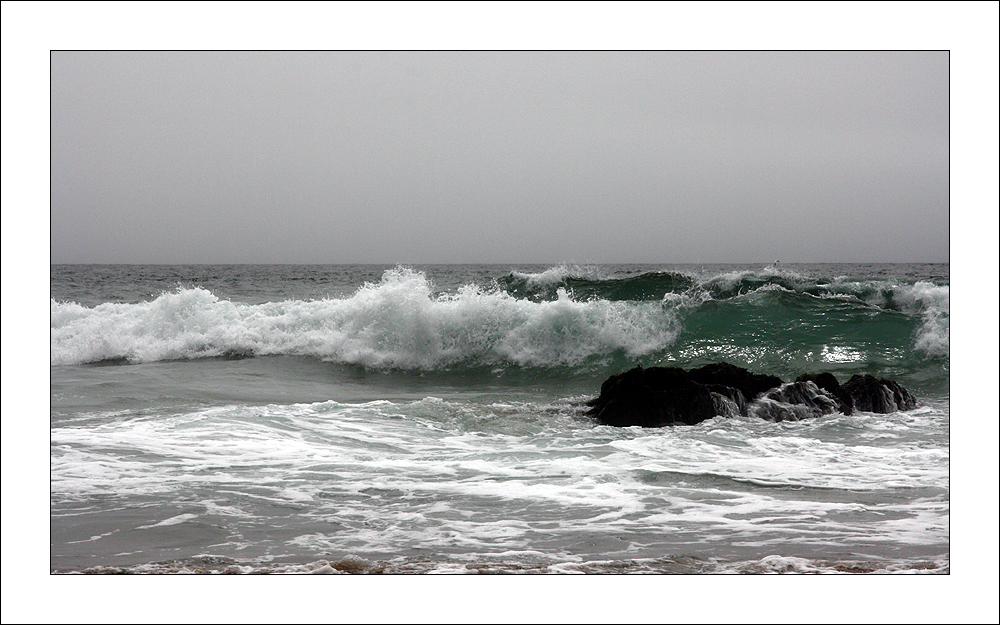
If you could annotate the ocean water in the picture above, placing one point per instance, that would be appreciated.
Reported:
(431, 419)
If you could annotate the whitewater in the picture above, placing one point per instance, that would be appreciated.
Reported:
(418, 419)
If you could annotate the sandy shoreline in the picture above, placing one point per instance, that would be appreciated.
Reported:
(356, 565)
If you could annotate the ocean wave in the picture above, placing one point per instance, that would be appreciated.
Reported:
(562, 317)
(590, 283)
(933, 304)
(559, 274)
(397, 322)
(780, 287)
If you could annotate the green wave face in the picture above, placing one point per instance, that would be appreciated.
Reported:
(562, 321)
(788, 333)
(644, 287)
(779, 321)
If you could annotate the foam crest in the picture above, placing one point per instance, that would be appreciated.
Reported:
(933, 303)
(733, 284)
(397, 322)
(558, 274)
(184, 324)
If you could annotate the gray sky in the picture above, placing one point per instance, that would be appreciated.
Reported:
(511, 157)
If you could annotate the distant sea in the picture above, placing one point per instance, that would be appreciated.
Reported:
(418, 419)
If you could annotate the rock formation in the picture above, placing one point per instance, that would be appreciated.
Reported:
(794, 402)
(725, 374)
(651, 398)
(878, 395)
(659, 396)
(829, 383)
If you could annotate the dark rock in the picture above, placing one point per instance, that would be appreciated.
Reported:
(829, 383)
(660, 396)
(794, 402)
(878, 395)
(732, 394)
(726, 406)
(750, 384)
(652, 397)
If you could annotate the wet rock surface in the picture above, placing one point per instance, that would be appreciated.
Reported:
(873, 394)
(659, 396)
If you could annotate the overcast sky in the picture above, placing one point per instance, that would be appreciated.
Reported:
(421, 157)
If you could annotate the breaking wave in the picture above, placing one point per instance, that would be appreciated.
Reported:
(562, 317)
(398, 322)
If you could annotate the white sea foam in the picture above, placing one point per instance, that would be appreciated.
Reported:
(933, 304)
(555, 275)
(455, 476)
(797, 461)
(174, 520)
(398, 322)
